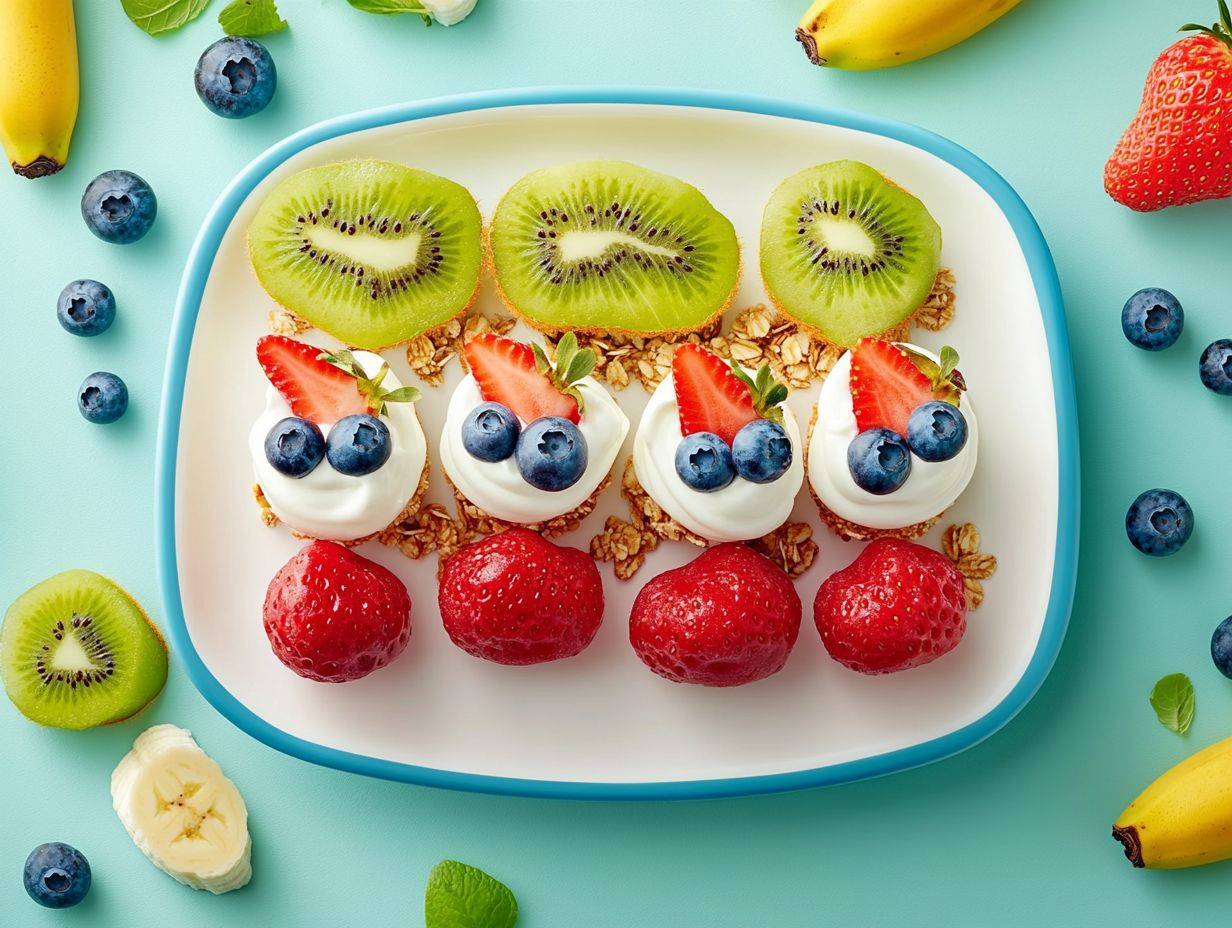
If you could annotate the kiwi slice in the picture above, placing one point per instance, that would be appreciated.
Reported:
(76, 651)
(610, 246)
(371, 252)
(847, 252)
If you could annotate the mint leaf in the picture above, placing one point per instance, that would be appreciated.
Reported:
(157, 16)
(392, 8)
(1173, 700)
(460, 896)
(251, 18)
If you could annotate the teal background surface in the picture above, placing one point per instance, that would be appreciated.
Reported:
(1013, 832)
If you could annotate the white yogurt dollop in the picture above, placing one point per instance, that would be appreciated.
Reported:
(739, 511)
(339, 507)
(498, 488)
(930, 489)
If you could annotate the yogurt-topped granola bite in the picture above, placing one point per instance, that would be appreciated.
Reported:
(895, 440)
(527, 440)
(718, 450)
(338, 452)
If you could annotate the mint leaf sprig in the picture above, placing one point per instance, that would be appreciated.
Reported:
(571, 365)
(947, 381)
(157, 16)
(767, 393)
(251, 18)
(392, 8)
(1172, 698)
(461, 896)
(370, 387)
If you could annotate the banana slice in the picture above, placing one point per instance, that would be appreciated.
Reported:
(182, 812)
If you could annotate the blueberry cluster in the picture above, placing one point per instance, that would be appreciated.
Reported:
(880, 459)
(357, 445)
(550, 451)
(760, 453)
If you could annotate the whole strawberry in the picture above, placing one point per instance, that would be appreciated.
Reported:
(516, 598)
(333, 616)
(727, 618)
(898, 605)
(1178, 149)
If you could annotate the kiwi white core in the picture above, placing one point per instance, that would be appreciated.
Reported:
(70, 656)
(379, 253)
(582, 245)
(844, 237)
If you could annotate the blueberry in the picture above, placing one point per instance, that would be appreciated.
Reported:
(490, 432)
(704, 462)
(119, 207)
(1152, 319)
(1159, 522)
(879, 461)
(1221, 647)
(358, 445)
(551, 454)
(236, 77)
(761, 451)
(56, 875)
(102, 398)
(86, 307)
(1215, 366)
(936, 431)
(294, 446)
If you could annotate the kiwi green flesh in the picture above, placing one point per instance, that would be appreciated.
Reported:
(76, 651)
(370, 252)
(608, 245)
(846, 252)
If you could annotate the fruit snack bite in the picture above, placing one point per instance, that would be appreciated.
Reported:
(718, 450)
(893, 441)
(338, 452)
(529, 440)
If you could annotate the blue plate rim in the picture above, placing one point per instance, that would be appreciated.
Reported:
(1048, 290)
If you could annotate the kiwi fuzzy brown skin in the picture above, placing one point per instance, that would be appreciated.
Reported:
(490, 267)
(158, 637)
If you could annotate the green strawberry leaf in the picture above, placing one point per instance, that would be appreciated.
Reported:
(403, 395)
(392, 8)
(251, 18)
(460, 896)
(370, 387)
(158, 16)
(571, 365)
(542, 364)
(580, 365)
(1172, 698)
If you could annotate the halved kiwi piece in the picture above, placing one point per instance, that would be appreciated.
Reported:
(76, 651)
(610, 246)
(370, 252)
(847, 252)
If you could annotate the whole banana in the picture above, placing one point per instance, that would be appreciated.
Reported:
(39, 84)
(859, 35)
(1185, 817)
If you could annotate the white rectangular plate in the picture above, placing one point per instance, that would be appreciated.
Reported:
(601, 725)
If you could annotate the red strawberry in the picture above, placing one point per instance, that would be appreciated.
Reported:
(516, 598)
(729, 617)
(1178, 149)
(886, 385)
(332, 615)
(709, 396)
(314, 389)
(506, 373)
(898, 605)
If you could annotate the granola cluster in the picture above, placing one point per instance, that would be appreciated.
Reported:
(427, 354)
(961, 544)
(626, 543)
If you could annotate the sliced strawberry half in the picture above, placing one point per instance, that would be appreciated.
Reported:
(506, 373)
(709, 396)
(886, 386)
(314, 389)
